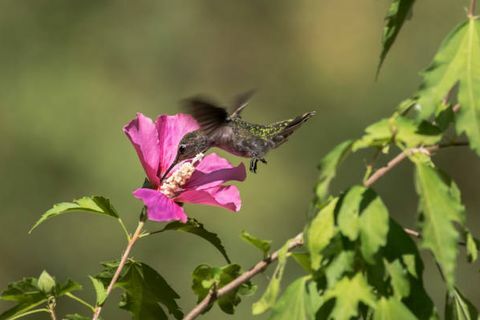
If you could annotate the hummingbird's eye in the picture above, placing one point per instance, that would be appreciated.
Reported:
(182, 148)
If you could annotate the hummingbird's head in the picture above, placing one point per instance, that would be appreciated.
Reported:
(192, 144)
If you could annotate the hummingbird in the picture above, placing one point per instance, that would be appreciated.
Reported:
(228, 131)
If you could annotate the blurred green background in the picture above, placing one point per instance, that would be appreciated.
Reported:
(72, 73)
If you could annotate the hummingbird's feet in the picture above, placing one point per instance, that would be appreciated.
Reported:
(254, 163)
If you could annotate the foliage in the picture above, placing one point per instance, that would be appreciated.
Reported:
(357, 261)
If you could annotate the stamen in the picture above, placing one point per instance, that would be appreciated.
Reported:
(173, 184)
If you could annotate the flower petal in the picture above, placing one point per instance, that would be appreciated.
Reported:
(159, 207)
(171, 130)
(143, 134)
(214, 170)
(221, 196)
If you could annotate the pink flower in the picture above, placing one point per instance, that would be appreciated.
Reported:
(198, 181)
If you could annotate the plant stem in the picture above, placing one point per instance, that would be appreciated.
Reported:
(472, 8)
(123, 260)
(124, 228)
(18, 316)
(80, 300)
(402, 156)
(244, 277)
(51, 308)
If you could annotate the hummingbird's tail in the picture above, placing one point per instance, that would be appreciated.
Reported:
(293, 125)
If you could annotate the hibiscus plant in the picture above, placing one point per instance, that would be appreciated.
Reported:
(358, 262)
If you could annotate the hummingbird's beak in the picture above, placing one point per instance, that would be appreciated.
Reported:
(174, 163)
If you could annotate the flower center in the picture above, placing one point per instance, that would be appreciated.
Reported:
(173, 184)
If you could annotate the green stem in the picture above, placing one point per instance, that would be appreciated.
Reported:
(80, 300)
(18, 316)
(124, 228)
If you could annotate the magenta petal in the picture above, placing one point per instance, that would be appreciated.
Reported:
(214, 170)
(171, 130)
(143, 134)
(159, 207)
(221, 196)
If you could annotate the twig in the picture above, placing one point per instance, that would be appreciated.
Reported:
(213, 295)
(123, 260)
(244, 277)
(51, 308)
(472, 8)
(402, 156)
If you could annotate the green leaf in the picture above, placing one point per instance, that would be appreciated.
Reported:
(440, 207)
(444, 72)
(194, 227)
(299, 301)
(46, 283)
(270, 295)
(458, 307)
(398, 13)
(320, 232)
(348, 293)
(391, 309)
(341, 264)
(468, 117)
(398, 279)
(100, 291)
(472, 249)
(303, 260)
(405, 132)
(328, 168)
(263, 245)
(144, 291)
(456, 62)
(28, 294)
(75, 316)
(205, 278)
(401, 246)
(94, 204)
(363, 214)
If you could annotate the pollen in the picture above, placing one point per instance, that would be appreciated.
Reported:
(172, 186)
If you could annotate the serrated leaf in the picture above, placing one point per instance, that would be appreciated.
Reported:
(456, 62)
(405, 132)
(194, 227)
(468, 117)
(100, 290)
(440, 208)
(401, 246)
(46, 283)
(299, 301)
(270, 295)
(94, 204)
(398, 13)
(363, 214)
(205, 278)
(472, 249)
(320, 232)
(391, 309)
(444, 72)
(348, 293)
(328, 168)
(341, 264)
(458, 307)
(27, 294)
(398, 279)
(144, 291)
(263, 245)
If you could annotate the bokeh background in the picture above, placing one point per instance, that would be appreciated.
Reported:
(72, 73)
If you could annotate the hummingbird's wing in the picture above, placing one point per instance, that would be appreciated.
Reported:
(209, 116)
(240, 102)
